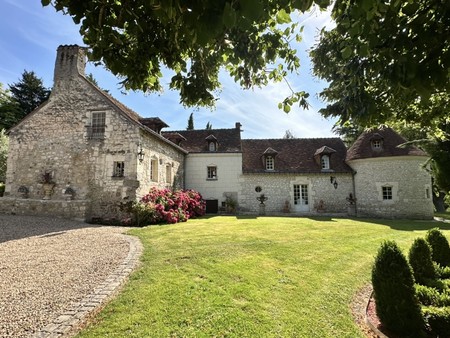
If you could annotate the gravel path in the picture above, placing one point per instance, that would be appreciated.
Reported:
(47, 264)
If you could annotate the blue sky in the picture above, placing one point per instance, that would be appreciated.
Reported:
(30, 35)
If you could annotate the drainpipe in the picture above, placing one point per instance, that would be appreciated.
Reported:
(354, 193)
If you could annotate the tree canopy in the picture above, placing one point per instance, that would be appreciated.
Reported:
(9, 109)
(29, 92)
(195, 39)
(386, 59)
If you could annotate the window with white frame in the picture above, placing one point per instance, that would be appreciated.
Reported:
(325, 161)
(211, 173)
(98, 125)
(386, 192)
(212, 146)
(270, 163)
(168, 173)
(154, 169)
(118, 169)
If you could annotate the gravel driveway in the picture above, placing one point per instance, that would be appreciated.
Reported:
(48, 266)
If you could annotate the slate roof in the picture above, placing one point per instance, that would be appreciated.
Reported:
(228, 140)
(294, 155)
(362, 148)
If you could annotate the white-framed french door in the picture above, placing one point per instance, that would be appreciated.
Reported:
(301, 198)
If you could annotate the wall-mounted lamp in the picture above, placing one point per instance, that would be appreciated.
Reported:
(140, 153)
(334, 182)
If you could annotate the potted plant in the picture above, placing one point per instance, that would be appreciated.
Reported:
(23, 191)
(47, 184)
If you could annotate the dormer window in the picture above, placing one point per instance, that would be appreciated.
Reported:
(376, 142)
(325, 162)
(322, 157)
(268, 158)
(212, 146)
(212, 143)
(270, 163)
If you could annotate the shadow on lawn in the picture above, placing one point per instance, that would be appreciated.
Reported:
(408, 225)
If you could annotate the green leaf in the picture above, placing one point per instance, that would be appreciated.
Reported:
(283, 17)
(45, 2)
(346, 52)
(229, 16)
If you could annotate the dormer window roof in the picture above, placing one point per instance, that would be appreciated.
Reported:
(175, 137)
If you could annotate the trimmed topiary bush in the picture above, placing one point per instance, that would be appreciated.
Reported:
(438, 320)
(393, 283)
(420, 261)
(440, 249)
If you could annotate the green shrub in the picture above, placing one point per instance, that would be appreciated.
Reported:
(427, 295)
(438, 320)
(430, 296)
(440, 249)
(442, 271)
(420, 261)
(393, 283)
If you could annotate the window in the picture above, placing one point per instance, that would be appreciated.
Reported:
(168, 173)
(377, 145)
(211, 173)
(212, 146)
(387, 193)
(119, 169)
(97, 128)
(270, 163)
(325, 162)
(154, 169)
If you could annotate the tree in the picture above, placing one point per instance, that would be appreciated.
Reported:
(9, 109)
(385, 59)
(208, 126)
(288, 134)
(3, 154)
(190, 125)
(29, 92)
(194, 39)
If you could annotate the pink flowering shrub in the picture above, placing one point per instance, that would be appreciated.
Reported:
(167, 206)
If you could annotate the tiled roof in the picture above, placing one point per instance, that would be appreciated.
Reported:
(293, 155)
(390, 141)
(131, 114)
(228, 140)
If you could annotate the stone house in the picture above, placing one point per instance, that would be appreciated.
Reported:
(97, 153)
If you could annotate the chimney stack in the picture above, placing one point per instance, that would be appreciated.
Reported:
(70, 62)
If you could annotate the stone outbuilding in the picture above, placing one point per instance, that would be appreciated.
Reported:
(83, 153)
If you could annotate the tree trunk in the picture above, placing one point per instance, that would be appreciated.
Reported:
(438, 202)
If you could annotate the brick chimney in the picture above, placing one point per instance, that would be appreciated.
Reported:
(70, 62)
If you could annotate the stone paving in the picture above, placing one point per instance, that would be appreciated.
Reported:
(57, 274)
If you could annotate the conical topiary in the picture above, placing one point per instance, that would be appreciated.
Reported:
(420, 261)
(393, 283)
(440, 249)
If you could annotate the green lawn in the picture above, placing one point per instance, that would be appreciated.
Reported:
(251, 277)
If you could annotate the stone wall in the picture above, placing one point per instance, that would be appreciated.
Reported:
(57, 139)
(324, 198)
(75, 209)
(410, 183)
(167, 158)
(229, 169)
